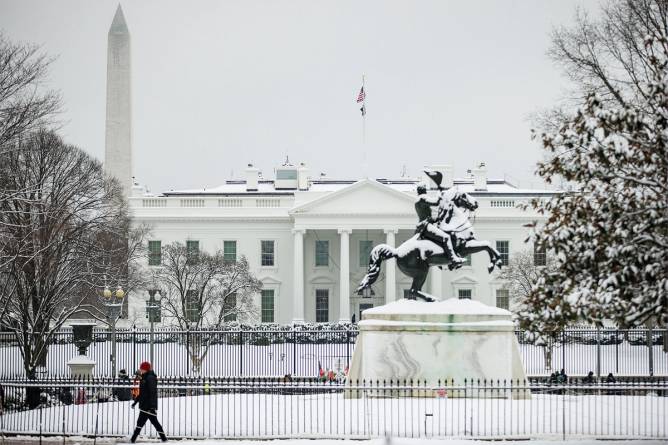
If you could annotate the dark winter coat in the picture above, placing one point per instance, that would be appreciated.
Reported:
(123, 393)
(148, 391)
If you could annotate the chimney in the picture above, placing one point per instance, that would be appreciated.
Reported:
(480, 177)
(302, 175)
(252, 174)
(137, 188)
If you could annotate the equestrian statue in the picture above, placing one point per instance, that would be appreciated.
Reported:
(443, 240)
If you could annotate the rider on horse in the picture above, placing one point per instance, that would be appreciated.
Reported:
(428, 226)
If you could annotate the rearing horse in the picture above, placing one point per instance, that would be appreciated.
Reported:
(416, 255)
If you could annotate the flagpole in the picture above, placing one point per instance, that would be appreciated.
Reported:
(363, 114)
(365, 165)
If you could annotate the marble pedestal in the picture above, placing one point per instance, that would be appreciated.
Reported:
(81, 366)
(441, 344)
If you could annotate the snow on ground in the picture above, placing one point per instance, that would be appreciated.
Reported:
(272, 414)
(394, 441)
(171, 359)
(381, 441)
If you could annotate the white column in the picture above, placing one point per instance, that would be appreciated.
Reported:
(436, 282)
(298, 280)
(344, 279)
(390, 269)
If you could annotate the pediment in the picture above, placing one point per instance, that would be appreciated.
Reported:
(321, 279)
(363, 197)
(269, 280)
(464, 279)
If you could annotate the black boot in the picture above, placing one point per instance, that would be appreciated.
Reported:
(133, 439)
(162, 436)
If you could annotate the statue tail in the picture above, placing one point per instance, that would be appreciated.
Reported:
(379, 254)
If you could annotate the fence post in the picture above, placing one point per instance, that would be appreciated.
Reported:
(294, 352)
(563, 350)
(134, 345)
(617, 353)
(598, 352)
(650, 344)
(188, 348)
(241, 353)
(347, 347)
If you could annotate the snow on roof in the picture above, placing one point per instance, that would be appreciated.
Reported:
(266, 187)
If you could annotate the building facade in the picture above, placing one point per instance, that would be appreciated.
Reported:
(308, 240)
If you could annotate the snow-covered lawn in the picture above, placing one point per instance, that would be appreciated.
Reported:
(377, 441)
(267, 415)
(171, 359)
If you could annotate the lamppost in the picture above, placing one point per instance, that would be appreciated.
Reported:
(154, 316)
(113, 301)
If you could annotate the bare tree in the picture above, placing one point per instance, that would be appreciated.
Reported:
(64, 232)
(521, 275)
(24, 103)
(606, 56)
(201, 290)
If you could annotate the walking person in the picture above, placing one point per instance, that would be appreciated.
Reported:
(148, 402)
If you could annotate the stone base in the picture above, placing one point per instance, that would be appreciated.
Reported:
(445, 343)
(81, 366)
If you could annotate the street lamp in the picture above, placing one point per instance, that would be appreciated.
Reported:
(113, 301)
(154, 316)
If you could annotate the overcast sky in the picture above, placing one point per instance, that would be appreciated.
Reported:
(219, 84)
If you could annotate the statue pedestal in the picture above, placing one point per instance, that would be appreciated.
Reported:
(81, 366)
(441, 343)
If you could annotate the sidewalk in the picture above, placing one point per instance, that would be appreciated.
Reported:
(392, 441)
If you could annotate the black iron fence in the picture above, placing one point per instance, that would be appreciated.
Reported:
(226, 408)
(303, 352)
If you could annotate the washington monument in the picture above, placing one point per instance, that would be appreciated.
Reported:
(118, 133)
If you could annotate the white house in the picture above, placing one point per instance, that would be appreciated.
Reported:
(308, 239)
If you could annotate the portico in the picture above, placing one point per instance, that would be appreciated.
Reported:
(346, 223)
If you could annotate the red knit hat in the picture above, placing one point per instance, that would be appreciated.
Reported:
(145, 366)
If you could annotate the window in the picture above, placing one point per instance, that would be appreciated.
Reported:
(267, 305)
(504, 249)
(365, 251)
(322, 305)
(464, 294)
(267, 252)
(192, 250)
(229, 251)
(154, 253)
(193, 308)
(229, 308)
(539, 256)
(321, 253)
(153, 311)
(467, 260)
(503, 299)
(286, 174)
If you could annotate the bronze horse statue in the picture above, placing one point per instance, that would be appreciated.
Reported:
(416, 255)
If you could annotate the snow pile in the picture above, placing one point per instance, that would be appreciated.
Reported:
(451, 306)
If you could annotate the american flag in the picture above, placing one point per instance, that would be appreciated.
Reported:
(361, 95)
